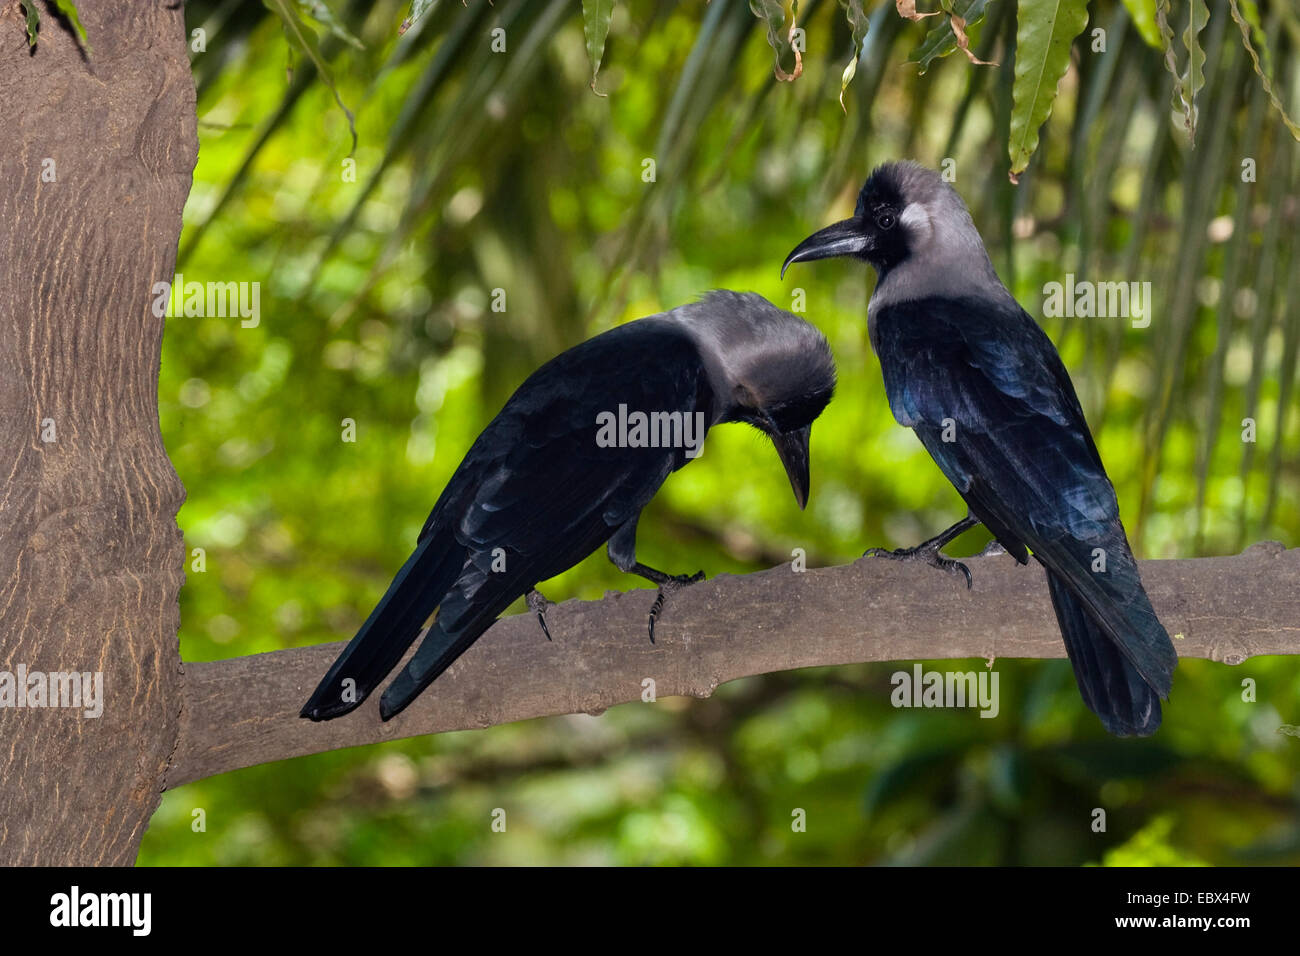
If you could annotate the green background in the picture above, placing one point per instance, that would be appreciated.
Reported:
(477, 171)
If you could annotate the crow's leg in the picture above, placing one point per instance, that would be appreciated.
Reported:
(538, 604)
(622, 551)
(929, 551)
(668, 583)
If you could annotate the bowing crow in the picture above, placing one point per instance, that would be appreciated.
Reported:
(568, 464)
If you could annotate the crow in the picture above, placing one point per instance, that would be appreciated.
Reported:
(986, 392)
(567, 465)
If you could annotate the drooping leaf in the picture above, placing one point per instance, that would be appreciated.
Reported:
(963, 41)
(1171, 59)
(66, 7)
(779, 37)
(418, 9)
(1249, 10)
(1253, 38)
(859, 22)
(1143, 15)
(1045, 31)
(596, 15)
(301, 36)
(33, 21)
(69, 9)
(319, 11)
(907, 10)
(1193, 79)
(942, 39)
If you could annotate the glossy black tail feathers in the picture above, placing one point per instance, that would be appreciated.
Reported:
(1110, 685)
(388, 632)
(436, 653)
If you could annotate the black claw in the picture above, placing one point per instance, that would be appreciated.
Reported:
(674, 583)
(537, 602)
(654, 613)
(929, 555)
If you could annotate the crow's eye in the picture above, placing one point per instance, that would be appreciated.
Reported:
(885, 220)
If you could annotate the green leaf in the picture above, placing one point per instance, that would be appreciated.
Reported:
(1246, 14)
(1045, 30)
(300, 35)
(418, 9)
(1143, 15)
(772, 13)
(1167, 44)
(322, 14)
(596, 15)
(66, 7)
(1194, 77)
(858, 24)
(942, 40)
(69, 9)
(33, 21)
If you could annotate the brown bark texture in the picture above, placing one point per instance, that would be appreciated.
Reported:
(99, 147)
(244, 711)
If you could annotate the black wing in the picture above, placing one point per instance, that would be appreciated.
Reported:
(1022, 457)
(536, 494)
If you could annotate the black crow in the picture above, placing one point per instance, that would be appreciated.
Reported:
(568, 464)
(985, 390)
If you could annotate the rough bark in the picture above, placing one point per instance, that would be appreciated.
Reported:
(244, 711)
(90, 555)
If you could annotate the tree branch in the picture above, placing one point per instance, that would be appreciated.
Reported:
(243, 712)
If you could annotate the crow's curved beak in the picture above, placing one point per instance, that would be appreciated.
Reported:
(846, 238)
(792, 447)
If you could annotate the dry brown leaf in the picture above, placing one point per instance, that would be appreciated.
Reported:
(907, 10)
(798, 59)
(963, 41)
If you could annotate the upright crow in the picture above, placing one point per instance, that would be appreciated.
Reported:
(985, 390)
(568, 464)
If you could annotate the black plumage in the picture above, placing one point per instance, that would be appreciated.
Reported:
(537, 492)
(987, 394)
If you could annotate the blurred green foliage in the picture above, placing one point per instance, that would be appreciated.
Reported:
(478, 171)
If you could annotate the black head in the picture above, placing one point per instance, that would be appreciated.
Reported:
(904, 211)
(768, 368)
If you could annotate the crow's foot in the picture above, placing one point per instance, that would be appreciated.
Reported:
(931, 552)
(927, 553)
(537, 603)
(671, 583)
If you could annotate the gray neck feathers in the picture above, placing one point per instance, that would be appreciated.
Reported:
(947, 257)
(744, 340)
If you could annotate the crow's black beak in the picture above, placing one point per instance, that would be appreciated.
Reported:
(845, 238)
(793, 449)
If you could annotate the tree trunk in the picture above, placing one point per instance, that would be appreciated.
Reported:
(99, 151)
